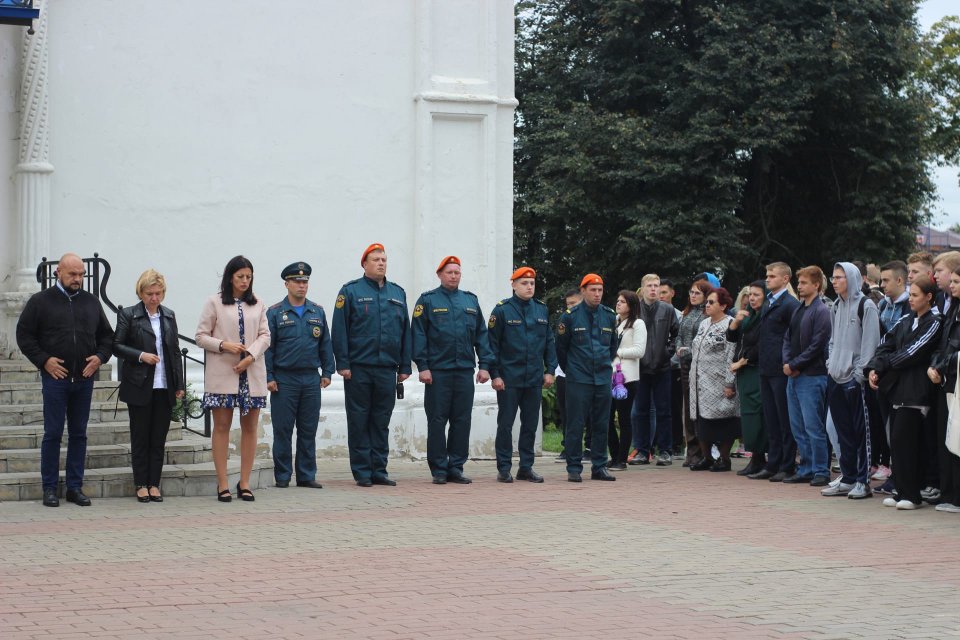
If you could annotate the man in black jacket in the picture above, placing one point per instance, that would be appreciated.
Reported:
(65, 333)
(775, 318)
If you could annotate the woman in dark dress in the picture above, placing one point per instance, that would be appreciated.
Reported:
(745, 332)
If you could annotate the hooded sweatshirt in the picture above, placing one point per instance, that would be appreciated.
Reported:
(853, 342)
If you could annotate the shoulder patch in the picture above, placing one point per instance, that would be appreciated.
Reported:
(561, 329)
(341, 300)
(418, 311)
(492, 322)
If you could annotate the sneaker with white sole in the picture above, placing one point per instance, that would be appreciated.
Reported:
(859, 491)
(890, 502)
(835, 481)
(906, 505)
(946, 506)
(839, 489)
(882, 473)
(887, 488)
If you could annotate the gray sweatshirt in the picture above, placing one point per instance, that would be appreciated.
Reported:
(853, 341)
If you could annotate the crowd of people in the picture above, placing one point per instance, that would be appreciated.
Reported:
(867, 378)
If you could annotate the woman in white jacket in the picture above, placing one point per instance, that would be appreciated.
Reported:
(632, 340)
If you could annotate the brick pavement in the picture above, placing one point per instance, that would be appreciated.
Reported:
(661, 553)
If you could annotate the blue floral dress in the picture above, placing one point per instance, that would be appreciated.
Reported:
(235, 400)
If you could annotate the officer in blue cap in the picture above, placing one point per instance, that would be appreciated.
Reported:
(449, 336)
(371, 342)
(299, 346)
(524, 359)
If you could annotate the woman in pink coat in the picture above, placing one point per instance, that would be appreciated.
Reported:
(233, 331)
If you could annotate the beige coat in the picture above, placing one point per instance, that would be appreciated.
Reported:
(218, 323)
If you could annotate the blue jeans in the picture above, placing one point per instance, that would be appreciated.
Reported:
(807, 403)
(658, 386)
(64, 400)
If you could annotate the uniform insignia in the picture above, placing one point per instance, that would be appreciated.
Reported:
(418, 311)
(316, 332)
(341, 299)
(492, 322)
(561, 328)
(284, 317)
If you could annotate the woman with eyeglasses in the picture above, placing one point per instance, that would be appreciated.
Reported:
(713, 389)
(689, 323)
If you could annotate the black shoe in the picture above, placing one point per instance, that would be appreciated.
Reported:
(751, 468)
(76, 497)
(145, 497)
(573, 476)
(439, 480)
(386, 482)
(617, 466)
(313, 484)
(283, 484)
(154, 498)
(820, 481)
(797, 479)
(50, 498)
(364, 482)
(223, 495)
(504, 476)
(245, 494)
(763, 474)
(779, 476)
(703, 465)
(639, 460)
(720, 465)
(602, 474)
(458, 478)
(529, 475)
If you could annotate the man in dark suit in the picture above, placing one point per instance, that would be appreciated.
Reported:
(774, 321)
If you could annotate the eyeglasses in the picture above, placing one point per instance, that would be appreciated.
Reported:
(712, 302)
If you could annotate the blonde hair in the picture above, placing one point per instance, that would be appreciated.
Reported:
(781, 267)
(815, 275)
(150, 278)
(949, 259)
(741, 298)
(650, 277)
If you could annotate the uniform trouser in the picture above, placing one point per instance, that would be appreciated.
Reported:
(807, 399)
(906, 437)
(562, 410)
(949, 463)
(449, 398)
(587, 403)
(370, 395)
(751, 411)
(526, 400)
(149, 425)
(620, 416)
(657, 387)
(848, 409)
(64, 400)
(296, 402)
(782, 448)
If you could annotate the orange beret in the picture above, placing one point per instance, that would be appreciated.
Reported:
(376, 246)
(448, 260)
(523, 272)
(590, 278)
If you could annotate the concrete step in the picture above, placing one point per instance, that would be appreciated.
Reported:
(177, 480)
(24, 371)
(31, 392)
(30, 436)
(27, 414)
(104, 456)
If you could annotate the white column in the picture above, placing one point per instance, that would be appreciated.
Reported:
(33, 173)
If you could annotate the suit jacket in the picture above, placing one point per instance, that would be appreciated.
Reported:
(134, 335)
(219, 323)
(774, 322)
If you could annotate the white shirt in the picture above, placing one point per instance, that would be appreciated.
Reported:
(159, 374)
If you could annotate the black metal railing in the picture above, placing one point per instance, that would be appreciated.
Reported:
(95, 278)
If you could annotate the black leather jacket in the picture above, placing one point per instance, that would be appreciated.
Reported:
(662, 328)
(134, 336)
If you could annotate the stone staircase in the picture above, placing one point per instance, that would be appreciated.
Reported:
(188, 465)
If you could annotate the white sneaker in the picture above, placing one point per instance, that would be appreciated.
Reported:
(890, 502)
(835, 482)
(949, 508)
(839, 489)
(860, 490)
(882, 473)
(906, 505)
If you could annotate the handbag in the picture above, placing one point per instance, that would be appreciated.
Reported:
(618, 389)
(953, 417)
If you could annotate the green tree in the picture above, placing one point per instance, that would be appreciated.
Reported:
(683, 135)
(939, 77)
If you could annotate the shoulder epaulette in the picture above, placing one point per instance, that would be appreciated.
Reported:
(397, 286)
(469, 293)
(504, 301)
(606, 308)
(542, 304)
(352, 282)
(276, 306)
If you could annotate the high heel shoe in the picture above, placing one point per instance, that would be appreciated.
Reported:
(141, 498)
(245, 494)
(223, 495)
(155, 498)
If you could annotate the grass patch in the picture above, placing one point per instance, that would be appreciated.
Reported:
(551, 440)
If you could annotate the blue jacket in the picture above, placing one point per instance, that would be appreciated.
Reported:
(371, 326)
(816, 327)
(448, 329)
(774, 322)
(298, 343)
(521, 342)
(587, 344)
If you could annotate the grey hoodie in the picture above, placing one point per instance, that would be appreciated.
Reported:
(853, 342)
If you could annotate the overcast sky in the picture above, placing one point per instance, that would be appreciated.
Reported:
(948, 207)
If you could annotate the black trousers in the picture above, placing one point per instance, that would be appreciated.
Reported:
(906, 445)
(949, 463)
(149, 425)
(619, 443)
(782, 448)
(879, 446)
